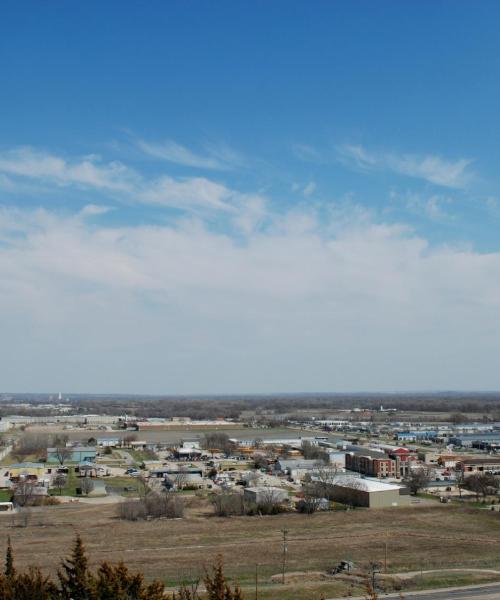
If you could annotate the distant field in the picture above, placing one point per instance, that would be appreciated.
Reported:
(418, 538)
(174, 436)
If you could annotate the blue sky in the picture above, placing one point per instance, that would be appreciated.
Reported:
(249, 197)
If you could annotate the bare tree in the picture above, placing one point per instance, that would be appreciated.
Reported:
(310, 503)
(131, 510)
(127, 439)
(24, 492)
(228, 503)
(142, 486)
(59, 481)
(260, 461)
(86, 485)
(59, 440)
(481, 484)
(31, 443)
(154, 505)
(189, 583)
(217, 441)
(63, 454)
(460, 480)
(323, 479)
(181, 478)
(270, 501)
(418, 478)
(314, 452)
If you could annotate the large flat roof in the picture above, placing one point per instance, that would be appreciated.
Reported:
(367, 485)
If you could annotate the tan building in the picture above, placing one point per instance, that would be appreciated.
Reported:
(479, 465)
(369, 493)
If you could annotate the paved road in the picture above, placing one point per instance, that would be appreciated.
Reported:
(127, 458)
(488, 591)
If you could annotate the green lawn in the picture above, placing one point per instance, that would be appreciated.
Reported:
(70, 488)
(428, 496)
(119, 483)
(140, 456)
(5, 495)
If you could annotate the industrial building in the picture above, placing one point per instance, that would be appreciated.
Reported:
(265, 495)
(76, 454)
(369, 493)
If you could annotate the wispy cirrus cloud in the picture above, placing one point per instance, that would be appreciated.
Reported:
(435, 207)
(183, 193)
(94, 210)
(307, 153)
(113, 179)
(310, 188)
(216, 157)
(48, 168)
(431, 168)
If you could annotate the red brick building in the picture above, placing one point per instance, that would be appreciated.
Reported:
(373, 464)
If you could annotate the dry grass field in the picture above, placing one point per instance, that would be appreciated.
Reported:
(430, 537)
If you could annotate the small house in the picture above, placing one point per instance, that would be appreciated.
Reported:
(265, 495)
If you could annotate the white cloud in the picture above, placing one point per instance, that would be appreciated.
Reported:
(306, 153)
(431, 168)
(175, 153)
(45, 167)
(298, 305)
(218, 156)
(252, 212)
(435, 207)
(94, 210)
(493, 205)
(185, 193)
(122, 182)
(228, 157)
(310, 188)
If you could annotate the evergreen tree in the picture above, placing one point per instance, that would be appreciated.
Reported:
(32, 585)
(74, 576)
(217, 585)
(117, 583)
(10, 571)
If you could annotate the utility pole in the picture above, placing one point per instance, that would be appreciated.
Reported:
(285, 550)
(385, 553)
(256, 581)
(374, 568)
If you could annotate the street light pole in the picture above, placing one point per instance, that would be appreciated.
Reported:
(285, 550)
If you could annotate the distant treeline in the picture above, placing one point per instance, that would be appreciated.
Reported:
(208, 407)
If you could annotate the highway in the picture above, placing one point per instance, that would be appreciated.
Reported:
(487, 591)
